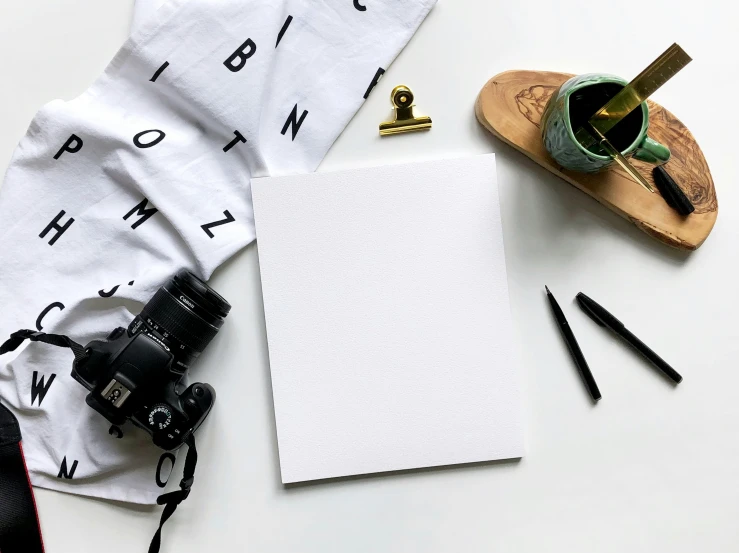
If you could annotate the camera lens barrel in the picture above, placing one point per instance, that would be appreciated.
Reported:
(187, 311)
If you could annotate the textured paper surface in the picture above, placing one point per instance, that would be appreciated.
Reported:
(388, 319)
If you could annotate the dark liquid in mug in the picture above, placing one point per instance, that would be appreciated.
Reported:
(586, 101)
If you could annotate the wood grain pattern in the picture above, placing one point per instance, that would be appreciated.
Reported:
(510, 106)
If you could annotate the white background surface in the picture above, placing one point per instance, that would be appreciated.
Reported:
(650, 468)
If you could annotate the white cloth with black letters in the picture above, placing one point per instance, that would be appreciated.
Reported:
(148, 171)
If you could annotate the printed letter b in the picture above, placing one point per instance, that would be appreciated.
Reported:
(244, 52)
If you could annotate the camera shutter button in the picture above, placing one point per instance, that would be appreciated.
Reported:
(198, 391)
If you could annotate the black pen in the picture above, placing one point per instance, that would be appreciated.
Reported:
(604, 318)
(582, 365)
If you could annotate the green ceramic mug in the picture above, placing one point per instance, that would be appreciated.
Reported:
(576, 101)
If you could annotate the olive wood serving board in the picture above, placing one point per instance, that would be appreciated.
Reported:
(510, 106)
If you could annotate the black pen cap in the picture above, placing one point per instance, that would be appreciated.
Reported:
(596, 312)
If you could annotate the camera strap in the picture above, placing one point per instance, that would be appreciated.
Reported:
(172, 500)
(19, 527)
(10, 482)
(20, 531)
(59, 340)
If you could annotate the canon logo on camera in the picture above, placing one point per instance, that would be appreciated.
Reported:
(187, 302)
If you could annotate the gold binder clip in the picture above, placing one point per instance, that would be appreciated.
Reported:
(402, 99)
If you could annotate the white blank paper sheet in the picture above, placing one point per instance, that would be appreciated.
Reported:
(388, 320)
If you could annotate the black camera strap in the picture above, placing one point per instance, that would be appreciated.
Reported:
(59, 340)
(10, 516)
(172, 500)
(19, 526)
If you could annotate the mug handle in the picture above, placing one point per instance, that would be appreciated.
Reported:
(651, 151)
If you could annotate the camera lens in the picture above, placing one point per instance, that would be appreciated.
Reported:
(187, 314)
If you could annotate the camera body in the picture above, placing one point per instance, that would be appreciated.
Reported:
(130, 376)
(138, 373)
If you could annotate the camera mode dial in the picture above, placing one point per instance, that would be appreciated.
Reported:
(160, 417)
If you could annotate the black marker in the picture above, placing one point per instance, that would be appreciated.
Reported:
(582, 365)
(604, 318)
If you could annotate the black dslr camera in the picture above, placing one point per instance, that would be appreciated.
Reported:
(136, 373)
